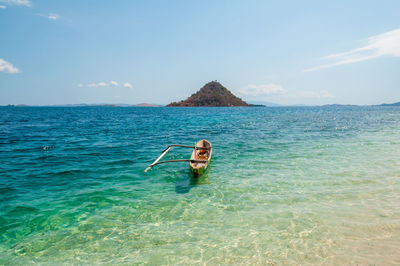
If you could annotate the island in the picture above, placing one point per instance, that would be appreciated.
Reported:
(211, 94)
(390, 104)
(147, 105)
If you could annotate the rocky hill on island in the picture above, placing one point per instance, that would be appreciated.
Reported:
(211, 94)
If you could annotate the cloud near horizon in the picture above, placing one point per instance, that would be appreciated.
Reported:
(276, 92)
(16, 2)
(111, 83)
(51, 16)
(7, 67)
(127, 85)
(263, 89)
(385, 44)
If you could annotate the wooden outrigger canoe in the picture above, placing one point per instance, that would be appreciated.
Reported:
(198, 162)
(201, 157)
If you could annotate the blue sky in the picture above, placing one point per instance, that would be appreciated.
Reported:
(288, 52)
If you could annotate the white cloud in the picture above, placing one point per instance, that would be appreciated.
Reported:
(103, 84)
(16, 2)
(278, 94)
(127, 85)
(100, 84)
(2, 7)
(263, 89)
(7, 67)
(51, 16)
(112, 83)
(385, 44)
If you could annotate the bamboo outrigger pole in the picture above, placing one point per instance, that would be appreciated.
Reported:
(162, 154)
(170, 161)
(174, 161)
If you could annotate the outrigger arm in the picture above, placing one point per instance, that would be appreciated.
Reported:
(177, 145)
(171, 161)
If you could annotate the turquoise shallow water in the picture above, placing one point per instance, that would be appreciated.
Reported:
(306, 185)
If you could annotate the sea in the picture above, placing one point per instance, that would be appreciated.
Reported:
(286, 186)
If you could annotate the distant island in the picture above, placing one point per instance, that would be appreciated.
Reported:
(110, 105)
(147, 105)
(264, 103)
(89, 105)
(211, 94)
(390, 104)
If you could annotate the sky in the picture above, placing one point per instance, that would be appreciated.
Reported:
(126, 51)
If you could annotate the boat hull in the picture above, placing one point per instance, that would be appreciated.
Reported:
(198, 171)
(203, 152)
